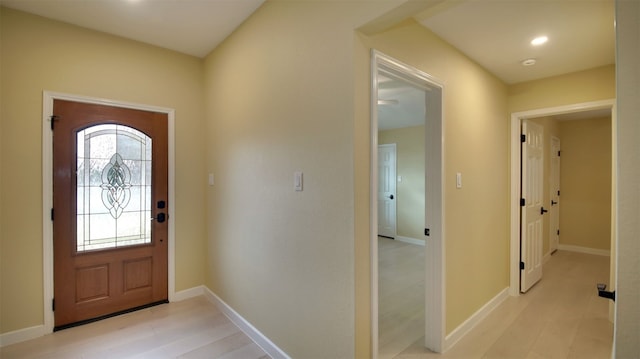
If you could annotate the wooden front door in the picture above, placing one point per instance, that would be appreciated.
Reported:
(110, 179)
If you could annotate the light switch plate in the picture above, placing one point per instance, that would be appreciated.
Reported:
(458, 180)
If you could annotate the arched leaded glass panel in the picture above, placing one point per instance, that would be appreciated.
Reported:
(113, 187)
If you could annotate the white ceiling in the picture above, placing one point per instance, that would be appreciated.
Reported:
(403, 104)
(193, 27)
(497, 34)
(494, 33)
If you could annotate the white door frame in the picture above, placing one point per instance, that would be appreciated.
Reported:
(554, 210)
(47, 191)
(434, 167)
(516, 119)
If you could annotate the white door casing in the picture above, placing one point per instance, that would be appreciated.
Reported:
(516, 174)
(47, 194)
(387, 190)
(554, 194)
(532, 210)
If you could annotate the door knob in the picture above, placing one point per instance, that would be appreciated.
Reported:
(160, 217)
(543, 211)
(391, 197)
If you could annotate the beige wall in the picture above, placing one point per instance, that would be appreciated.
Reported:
(550, 129)
(585, 182)
(410, 191)
(475, 130)
(39, 54)
(583, 86)
(280, 98)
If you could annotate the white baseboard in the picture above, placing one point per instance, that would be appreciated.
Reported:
(267, 345)
(477, 317)
(187, 294)
(22, 335)
(410, 240)
(586, 250)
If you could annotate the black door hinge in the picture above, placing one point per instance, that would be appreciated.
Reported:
(51, 214)
(53, 304)
(522, 202)
(53, 119)
(558, 193)
(558, 153)
(523, 138)
(558, 232)
(521, 265)
(427, 232)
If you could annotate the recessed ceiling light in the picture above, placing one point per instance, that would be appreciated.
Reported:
(528, 62)
(539, 40)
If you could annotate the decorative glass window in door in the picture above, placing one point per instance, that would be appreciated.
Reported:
(113, 187)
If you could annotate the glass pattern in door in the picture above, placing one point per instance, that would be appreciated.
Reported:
(113, 187)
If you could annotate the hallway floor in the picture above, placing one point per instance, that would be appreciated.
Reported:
(560, 317)
(192, 328)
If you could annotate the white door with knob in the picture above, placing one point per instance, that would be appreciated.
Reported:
(387, 190)
(532, 206)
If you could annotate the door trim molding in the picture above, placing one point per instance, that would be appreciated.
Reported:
(434, 189)
(47, 190)
(516, 119)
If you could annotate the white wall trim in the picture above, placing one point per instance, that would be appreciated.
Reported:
(22, 335)
(267, 345)
(47, 191)
(586, 250)
(516, 118)
(475, 319)
(410, 240)
(189, 293)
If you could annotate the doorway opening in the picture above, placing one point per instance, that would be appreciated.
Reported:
(605, 107)
(406, 107)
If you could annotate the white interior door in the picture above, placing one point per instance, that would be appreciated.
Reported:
(387, 190)
(532, 209)
(554, 188)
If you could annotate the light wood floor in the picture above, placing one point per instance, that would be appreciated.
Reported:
(560, 317)
(192, 328)
(400, 296)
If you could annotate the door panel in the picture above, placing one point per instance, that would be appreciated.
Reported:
(387, 190)
(532, 212)
(110, 183)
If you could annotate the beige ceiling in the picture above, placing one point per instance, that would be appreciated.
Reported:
(193, 27)
(495, 33)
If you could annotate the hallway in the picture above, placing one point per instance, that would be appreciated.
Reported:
(560, 317)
